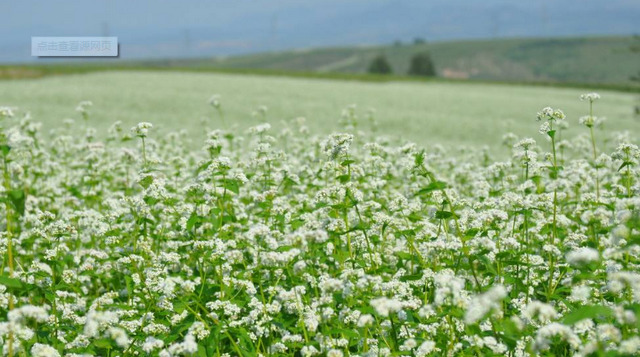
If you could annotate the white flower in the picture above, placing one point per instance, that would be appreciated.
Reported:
(337, 145)
(481, 304)
(543, 312)
(583, 256)
(630, 346)
(425, 348)
(6, 112)
(580, 293)
(525, 144)
(214, 101)
(551, 114)
(448, 288)
(545, 334)
(365, 320)
(40, 350)
(590, 97)
(385, 306)
(141, 129)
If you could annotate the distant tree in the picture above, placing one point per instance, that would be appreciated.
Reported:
(419, 41)
(380, 65)
(422, 65)
(397, 43)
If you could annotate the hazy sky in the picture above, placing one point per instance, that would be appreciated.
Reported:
(193, 28)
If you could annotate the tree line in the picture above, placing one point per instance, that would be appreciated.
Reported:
(421, 65)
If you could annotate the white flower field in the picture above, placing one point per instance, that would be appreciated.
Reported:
(288, 242)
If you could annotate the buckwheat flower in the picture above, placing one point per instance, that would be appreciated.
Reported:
(448, 288)
(540, 311)
(365, 320)
(525, 144)
(408, 345)
(83, 106)
(588, 121)
(426, 348)
(630, 347)
(626, 151)
(620, 279)
(580, 293)
(385, 306)
(544, 114)
(550, 114)
(151, 343)
(583, 256)
(28, 312)
(299, 266)
(6, 112)
(545, 335)
(199, 330)
(545, 127)
(482, 304)
(337, 145)
(142, 129)
(334, 353)
(120, 336)
(214, 101)
(592, 97)
(309, 351)
(259, 129)
(40, 350)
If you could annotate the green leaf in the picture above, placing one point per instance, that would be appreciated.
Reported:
(193, 220)
(232, 185)
(624, 164)
(586, 312)
(345, 332)
(146, 181)
(419, 158)
(443, 214)
(413, 277)
(103, 343)
(11, 282)
(202, 352)
(434, 186)
(17, 199)
(5, 149)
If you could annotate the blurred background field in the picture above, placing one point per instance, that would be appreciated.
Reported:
(456, 113)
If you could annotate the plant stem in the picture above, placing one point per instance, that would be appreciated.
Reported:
(9, 218)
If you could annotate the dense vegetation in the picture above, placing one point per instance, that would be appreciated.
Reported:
(286, 243)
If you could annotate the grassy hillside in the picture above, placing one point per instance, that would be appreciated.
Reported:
(584, 60)
(598, 63)
(474, 113)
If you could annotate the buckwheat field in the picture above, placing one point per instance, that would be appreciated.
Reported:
(284, 242)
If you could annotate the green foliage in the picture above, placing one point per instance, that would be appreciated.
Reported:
(422, 65)
(380, 65)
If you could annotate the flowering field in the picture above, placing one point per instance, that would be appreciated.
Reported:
(476, 114)
(291, 243)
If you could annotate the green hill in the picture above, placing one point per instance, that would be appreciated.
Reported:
(581, 60)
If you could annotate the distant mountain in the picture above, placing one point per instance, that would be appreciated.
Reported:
(197, 28)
